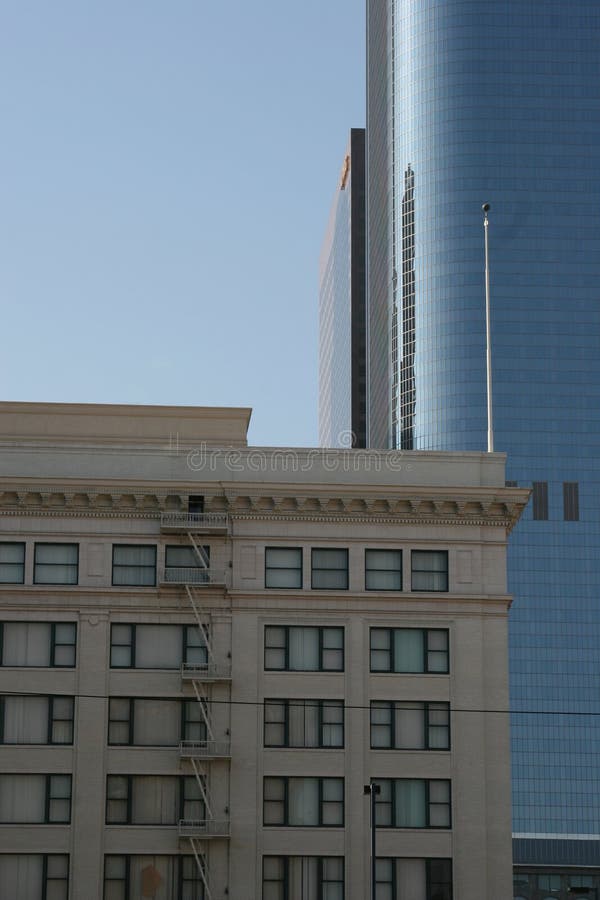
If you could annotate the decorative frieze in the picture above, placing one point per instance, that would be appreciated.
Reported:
(481, 506)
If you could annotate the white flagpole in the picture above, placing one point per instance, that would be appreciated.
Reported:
(488, 340)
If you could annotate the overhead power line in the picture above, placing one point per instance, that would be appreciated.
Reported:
(301, 701)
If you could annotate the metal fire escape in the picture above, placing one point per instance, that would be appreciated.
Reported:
(202, 674)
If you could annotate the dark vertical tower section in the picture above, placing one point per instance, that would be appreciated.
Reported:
(358, 289)
(407, 366)
(379, 198)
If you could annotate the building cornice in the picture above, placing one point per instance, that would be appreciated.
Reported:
(480, 506)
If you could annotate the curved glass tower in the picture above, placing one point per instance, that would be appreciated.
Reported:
(473, 101)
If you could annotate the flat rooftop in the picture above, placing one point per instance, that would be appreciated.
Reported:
(203, 445)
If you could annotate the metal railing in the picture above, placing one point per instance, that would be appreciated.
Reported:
(204, 749)
(202, 828)
(208, 672)
(195, 521)
(196, 575)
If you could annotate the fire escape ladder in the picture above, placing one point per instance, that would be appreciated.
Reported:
(203, 629)
(200, 552)
(201, 869)
(203, 703)
(201, 779)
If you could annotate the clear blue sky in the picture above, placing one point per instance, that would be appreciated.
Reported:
(167, 168)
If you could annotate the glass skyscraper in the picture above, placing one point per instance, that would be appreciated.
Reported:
(342, 289)
(473, 101)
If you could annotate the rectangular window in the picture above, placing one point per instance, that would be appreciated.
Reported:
(303, 878)
(399, 878)
(59, 798)
(571, 501)
(303, 802)
(413, 803)
(193, 726)
(144, 721)
(60, 720)
(134, 565)
(12, 563)
(195, 504)
(36, 720)
(329, 569)
(34, 876)
(182, 562)
(167, 877)
(192, 802)
(298, 648)
(540, 500)
(429, 570)
(38, 644)
(56, 564)
(35, 799)
(408, 725)
(383, 570)
(408, 650)
(195, 652)
(140, 646)
(152, 799)
(283, 567)
(304, 723)
(63, 644)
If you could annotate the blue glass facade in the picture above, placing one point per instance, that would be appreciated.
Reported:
(500, 102)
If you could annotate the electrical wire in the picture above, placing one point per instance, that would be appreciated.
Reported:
(301, 701)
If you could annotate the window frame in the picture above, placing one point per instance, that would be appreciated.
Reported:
(321, 779)
(182, 798)
(189, 703)
(414, 571)
(72, 565)
(314, 569)
(427, 707)
(399, 571)
(140, 567)
(125, 881)
(393, 804)
(46, 878)
(129, 720)
(131, 701)
(47, 800)
(321, 648)
(321, 723)
(539, 501)
(298, 569)
(571, 501)
(196, 564)
(50, 720)
(393, 883)
(284, 881)
(50, 798)
(425, 632)
(181, 877)
(186, 645)
(23, 545)
(131, 644)
(53, 644)
(184, 784)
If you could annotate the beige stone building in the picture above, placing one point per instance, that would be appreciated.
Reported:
(207, 650)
